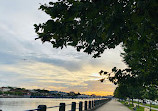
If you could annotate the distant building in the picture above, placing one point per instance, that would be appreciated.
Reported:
(33, 91)
(72, 93)
(93, 95)
(63, 93)
(53, 92)
(83, 96)
(28, 95)
(4, 89)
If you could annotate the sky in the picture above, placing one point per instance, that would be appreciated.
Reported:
(26, 62)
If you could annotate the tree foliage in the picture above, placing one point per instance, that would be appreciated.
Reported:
(121, 92)
(131, 91)
(95, 25)
(151, 92)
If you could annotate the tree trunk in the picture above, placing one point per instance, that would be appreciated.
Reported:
(150, 105)
(138, 103)
(132, 101)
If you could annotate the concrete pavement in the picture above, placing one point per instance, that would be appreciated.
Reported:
(113, 105)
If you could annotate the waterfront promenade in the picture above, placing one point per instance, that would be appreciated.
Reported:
(113, 105)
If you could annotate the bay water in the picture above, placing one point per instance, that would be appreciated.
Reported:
(23, 104)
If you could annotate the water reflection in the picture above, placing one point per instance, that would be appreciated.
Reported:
(22, 104)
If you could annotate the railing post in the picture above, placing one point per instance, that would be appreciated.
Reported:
(85, 106)
(90, 104)
(80, 106)
(73, 106)
(62, 107)
(95, 103)
(42, 108)
(99, 102)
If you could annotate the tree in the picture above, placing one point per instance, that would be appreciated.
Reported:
(1, 92)
(151, 93)
(121, 92)
(95, 25)
(142, 58)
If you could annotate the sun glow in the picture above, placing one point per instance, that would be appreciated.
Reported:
(99, 93)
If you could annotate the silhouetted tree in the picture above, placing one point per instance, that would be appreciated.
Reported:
(95, 25)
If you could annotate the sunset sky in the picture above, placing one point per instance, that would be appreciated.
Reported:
(27, 63)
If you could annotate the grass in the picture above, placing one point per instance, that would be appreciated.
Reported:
(141, 109)
(130, 106)
(154, 106)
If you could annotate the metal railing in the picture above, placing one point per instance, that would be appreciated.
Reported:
(88, 105)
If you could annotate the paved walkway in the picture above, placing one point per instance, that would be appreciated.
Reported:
(113, 105)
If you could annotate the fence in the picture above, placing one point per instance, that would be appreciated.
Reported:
(88, 105)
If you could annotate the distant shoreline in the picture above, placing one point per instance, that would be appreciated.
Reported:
(47, 97)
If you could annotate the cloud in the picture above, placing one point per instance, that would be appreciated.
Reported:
(95, 87)
(48, 76)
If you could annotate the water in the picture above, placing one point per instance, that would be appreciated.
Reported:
(22, 104)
